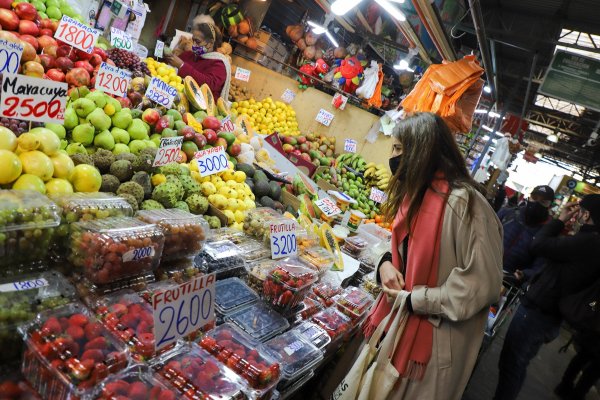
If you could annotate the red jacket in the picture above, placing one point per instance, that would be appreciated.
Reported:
(211, 72)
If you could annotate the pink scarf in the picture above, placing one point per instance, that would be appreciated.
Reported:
(414, 348)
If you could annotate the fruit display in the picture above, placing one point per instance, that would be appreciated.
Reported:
(253, 250)
(314, 333)
(14, 387)
(127, 60)
(268, 116)
(16, 126)
(326, 292)
(179, 270)
(257, 222)
(184, 232)
(306, 309)
(336, 324)
(246, 356)
(267, 192)
(136, 382)
(242, 32)
(259, 321)
(238, 93)
(194, 374)
(165, 73)
(306, 240)
(223, 258)
(258, 272)
(354, 303)
(232, 294)
(27, 226)
(318, 259)
(377, 176)
(69, 352)
(113, 249)
(226, 233)
(287, 284)
(318, 149)
(354, 246)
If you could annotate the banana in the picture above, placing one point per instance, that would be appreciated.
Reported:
(369, 165)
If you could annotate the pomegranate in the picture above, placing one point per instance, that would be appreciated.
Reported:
(56, 75)
(47, 61)
(78, 77)
(50, 50)
(46, 32)
(64, 64)
(46, 40)
(6, 4)
(85, 65)
(100, 52)
(82, 55)
(96, 60)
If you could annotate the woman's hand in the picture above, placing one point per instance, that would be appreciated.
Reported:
(391, 280)
(173, 60)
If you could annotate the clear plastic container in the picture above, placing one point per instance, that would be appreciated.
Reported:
(185, 233)
(354, 303)
(336, 324)
(136, 382)
(325, 293)
(318, 259)
(194, 374)
(305, 310)
(354, 246)
(370, 285)
(296, 354)
(258, 272)
(374, 233)
(287, 284)
(180, 270)
(246, 356)
(306, 240)
(253, 250)
(13, 386)
(90, 292)
(28, 221)
(223, 258)
(226, 233)
(314, 333)
(232, 294)
(259, 321)
(257, 222)
(69, 352)
(112, 249)
(21, 299)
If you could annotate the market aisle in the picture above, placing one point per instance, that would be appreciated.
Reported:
(544, 371)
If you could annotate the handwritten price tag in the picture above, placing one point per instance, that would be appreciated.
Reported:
(161, 93)
(350, 146)
(328, 207)
(158, 50)
(33, 99)
(288, 96)
(76, 34)
(242, 74)
(227, 125)
(339, 101)
(324, 117)
(23, 285)
(211, 161)
(377, 195)
(138, 254)
(10, 56)
(168, 151)
(113, 80)
(183, 309)
(283, 239)
(120, 39)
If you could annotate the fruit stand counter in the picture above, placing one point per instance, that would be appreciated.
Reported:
(350, 123)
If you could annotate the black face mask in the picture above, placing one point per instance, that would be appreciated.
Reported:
(395, 164)
(535, 213)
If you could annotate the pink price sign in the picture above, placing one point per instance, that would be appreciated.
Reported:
(76, 34)
(328, 207)
(227, 125)
(168, 152)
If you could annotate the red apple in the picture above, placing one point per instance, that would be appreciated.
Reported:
(78, 77)
(96, 60)
(56, 75)
(150, 116)
(8, 20)
(46, 40)
(234, 150)
(46, 32)
(31, 68)
(50, 50)
(125, 102)
(46, 23)
(306, 157)
(100, 52)
(85, 65)
(47, 61)
(82, 55)
(10, 36)
(6, 4)
(64, 64)
(30, 39)
(27, 27)
(211, 136)
(26, 11)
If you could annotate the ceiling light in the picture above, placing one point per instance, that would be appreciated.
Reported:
(487, 89)
(480, 111)
(331, 39)
(487, 128)
(397, 1)
(493, 114)
(538, 155)
(318, 30)
(341, 7)
(552, 138)
(391, 9)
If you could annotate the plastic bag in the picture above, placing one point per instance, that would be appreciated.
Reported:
(375, 100)
(366, 90)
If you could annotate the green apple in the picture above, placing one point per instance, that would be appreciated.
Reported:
(83, 134)
(122, 119)
(136, 146)
(39, 5)
(137, 130)
(120, 135)
(105, 140)
(84, 107)
(59, 130)
(175, 114)
(53, 12)
(155, 138)
(99, 119)
(97, 97)
(121, 148)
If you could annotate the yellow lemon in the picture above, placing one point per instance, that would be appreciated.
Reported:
(10, 166)
(58, 186)
(37, 163)
(29, 182)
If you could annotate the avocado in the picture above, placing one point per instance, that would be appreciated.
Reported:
(260, 176)
(250, 183)
(246, 168)
(278, 206)
(261, 189)
(267, 202)
(275, 190)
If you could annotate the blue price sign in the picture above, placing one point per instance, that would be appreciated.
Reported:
(10, 56)
(23, 285)
(283, 239)
(161, 93)
(211, 161)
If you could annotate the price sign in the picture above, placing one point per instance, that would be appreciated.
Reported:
(328, 207)
(33, 99)
(120, 39)
(242, 74)
(377, 195)
(183, 309)
(138, 254)
(227, 125)
(158, 50)
(324, 117)
(288, 96)
(339, 101)
(350, 146)
(168, 151)
(10, 56)
(161, 93)
(23, 285)
(283, 239)
(113, 80)
(211, 161)
(76, 34)
(293, 347)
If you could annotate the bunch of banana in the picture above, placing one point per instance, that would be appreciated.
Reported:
(377, 175)
(354, 161)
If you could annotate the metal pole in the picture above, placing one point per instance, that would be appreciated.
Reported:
(483, 44)
(527, 91)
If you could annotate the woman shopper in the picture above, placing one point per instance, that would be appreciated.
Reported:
(446, 252)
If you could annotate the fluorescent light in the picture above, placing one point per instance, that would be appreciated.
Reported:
(493, 114)
(552, 138)
(317, 29)
(487, 128)
(341, 7)
(331, 39)
(397, 1)
(480, 111)
(538, 155)
(391, 9)
(486, 137)
(487, 89)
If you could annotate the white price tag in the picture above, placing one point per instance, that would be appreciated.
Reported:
(324, 117)
(33, 99)
(168, 151)
(293, 347)
(76, 34)
(23, 285)
(288, 96)
(10, 56)
(183, 309)
(227, 125)
(138, 254)
(283, 239)
(377, 195)
(242, 74)
(161, 93)
(211, 161)
(350, 145)
(113, 80)
(328, 207)
(120, 39)
(158, 50)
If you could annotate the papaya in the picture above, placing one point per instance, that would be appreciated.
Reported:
(222, 106)
(194, 94)
(183, 106)
(211, 108)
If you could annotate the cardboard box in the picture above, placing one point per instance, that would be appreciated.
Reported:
(306, 167)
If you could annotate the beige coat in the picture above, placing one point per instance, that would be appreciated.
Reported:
(469, 280)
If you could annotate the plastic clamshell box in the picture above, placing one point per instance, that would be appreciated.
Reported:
(195, 374)
(69, 336)
(325, 292)
(232, 294)
(259, 321)
(354, 246)
(180, 270)
(336, 324)
(313, 332)
(296, 355)
(112, 249)
(370, 285)
(246, 356)
(185, 233)
(227, 234)
(287, 284)
(258, 272)
(137, 381)
(90, 292)
(354, 303)
(21, 299)
(306, 240)
(28, 223)
(257, 222)
(305, 310)
(373, 233)
(254, 250)
(318, 259)
(224, 258)
(19, 388)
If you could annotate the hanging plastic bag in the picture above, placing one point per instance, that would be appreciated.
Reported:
(366, 90)
(375, 100)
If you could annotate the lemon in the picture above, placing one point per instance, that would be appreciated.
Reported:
(29, 182)
(37, 163)
(230, 216)
(58, 186)
(8, 140)
(85, 178)
(10, 166)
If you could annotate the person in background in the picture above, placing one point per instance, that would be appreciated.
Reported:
(499, 199)
(203, 62)
(513, 200)
(520, 226)
(572, 264)
(446, 251)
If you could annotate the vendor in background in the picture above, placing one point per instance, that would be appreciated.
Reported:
(203, 62)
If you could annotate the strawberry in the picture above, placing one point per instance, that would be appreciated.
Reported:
(129, 320)
(77, 370)
(78, 320)
(138, 391)
(145, 344)
(166, 395)
(118, 309)
(51, 327)
(75, 332)
(10, 390)
(92, 330)
(99, 343)
(143, 327)
(118, 387)
(93, 354)
(100, 372)
(116, 361)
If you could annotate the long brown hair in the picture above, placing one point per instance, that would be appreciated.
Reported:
(428, 148)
